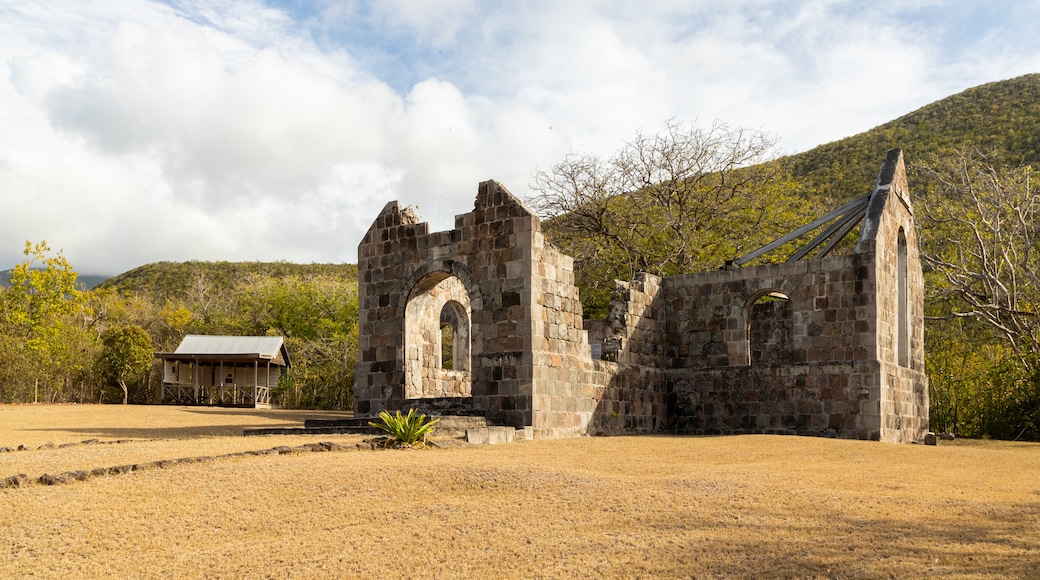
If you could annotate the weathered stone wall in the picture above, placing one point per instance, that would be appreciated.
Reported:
(425, 375)
(829, 347)
(630, 382)
(831, 399)
(770, 326)
(889, 233)
(489, 253)
(709, 312)
(843, 325)
(564, 399)
(825, 384)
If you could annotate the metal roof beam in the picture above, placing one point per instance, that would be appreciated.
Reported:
(856, 204)
(843, 225)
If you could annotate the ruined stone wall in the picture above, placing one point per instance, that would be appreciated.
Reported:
(426, 375)
(530, 362)
(564, 398)
(770, 328)
(837, 399)
(852, 330)
(631, 381)
(828, 347)
(825, 386)
(889, 232)
(829, 310)
(488, 256)
(496, 239)
(380, 366)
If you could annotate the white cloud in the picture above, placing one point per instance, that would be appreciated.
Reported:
(229, 130)
(434, 23)
(195, 143)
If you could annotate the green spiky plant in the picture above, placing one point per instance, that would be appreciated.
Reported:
(408, 429)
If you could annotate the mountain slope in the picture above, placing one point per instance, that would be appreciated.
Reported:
(173, 280)
(1000, 118)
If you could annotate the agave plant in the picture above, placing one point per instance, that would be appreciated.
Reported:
(408, 429)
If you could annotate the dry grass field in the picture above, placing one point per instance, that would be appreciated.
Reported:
(623, 507)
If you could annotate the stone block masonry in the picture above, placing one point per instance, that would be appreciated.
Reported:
(485, 319)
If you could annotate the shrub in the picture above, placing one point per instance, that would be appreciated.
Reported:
(408, 429)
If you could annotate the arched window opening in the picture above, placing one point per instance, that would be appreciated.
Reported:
(437, 339)
(769, 327)
(454, 337)
(447, 346)
(902, 338)
(449, 322)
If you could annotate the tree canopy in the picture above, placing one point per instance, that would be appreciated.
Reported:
(41, 338)
(61, 343)
(126, 351)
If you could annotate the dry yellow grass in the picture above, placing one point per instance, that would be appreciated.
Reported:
(625, 507)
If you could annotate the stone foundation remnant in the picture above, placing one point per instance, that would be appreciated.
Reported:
(485, 320)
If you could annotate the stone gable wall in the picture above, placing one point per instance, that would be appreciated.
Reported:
(904, 384)
(489, 253)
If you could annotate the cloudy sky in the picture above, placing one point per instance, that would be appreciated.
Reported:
(138, 131)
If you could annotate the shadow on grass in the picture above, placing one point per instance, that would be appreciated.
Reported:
(280, 415)
(158, 432)
(980, 540)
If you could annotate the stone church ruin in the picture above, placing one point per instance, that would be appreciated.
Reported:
(485, 319)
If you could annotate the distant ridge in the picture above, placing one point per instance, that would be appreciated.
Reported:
(173, 280)
(86, 281)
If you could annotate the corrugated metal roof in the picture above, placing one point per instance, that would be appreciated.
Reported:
(265, 346)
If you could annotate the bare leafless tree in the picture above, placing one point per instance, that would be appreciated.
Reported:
(982, 241)
(681, 200)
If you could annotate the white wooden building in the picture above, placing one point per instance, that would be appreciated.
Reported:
(236, 371)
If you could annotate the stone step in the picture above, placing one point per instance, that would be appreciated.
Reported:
(494, 435)
(322, 423)
(444, 421)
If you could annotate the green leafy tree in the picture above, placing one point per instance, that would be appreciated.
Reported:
(40, 324)
(41, 288)
(317, 315)
(126, 353)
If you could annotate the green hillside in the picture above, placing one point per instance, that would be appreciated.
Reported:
(162, 281)
(50, 336)
(983, 382)
(1000, 118)
(980, 385)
